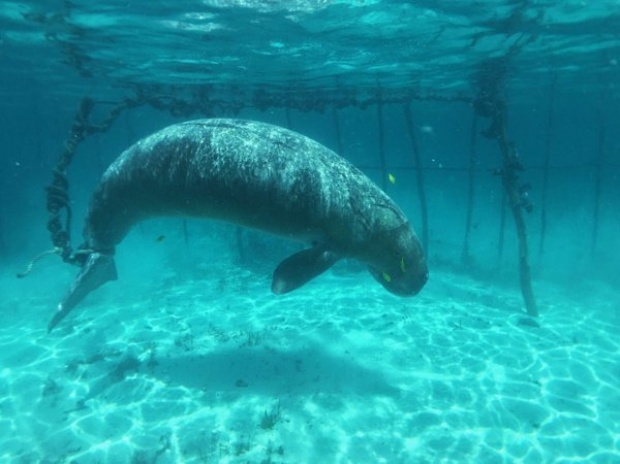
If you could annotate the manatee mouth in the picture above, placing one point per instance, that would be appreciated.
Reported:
(407, 285)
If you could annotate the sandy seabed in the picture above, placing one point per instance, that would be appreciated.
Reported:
(216, 369)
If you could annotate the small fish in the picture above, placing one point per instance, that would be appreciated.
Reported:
(160, 239)
(391, 178)
(386, 277)
(403, 267)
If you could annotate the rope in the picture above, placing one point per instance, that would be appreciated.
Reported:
(31, 264)
(78, 256)
(57, 193)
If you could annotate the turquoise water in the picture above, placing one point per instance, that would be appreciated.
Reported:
(189, 357)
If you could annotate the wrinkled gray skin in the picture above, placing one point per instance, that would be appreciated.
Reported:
(255, 175)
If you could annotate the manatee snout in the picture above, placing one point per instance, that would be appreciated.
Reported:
(402, 283)
(399, 262)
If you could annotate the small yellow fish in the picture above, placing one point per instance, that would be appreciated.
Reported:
(160, 239)
(391, 178)
(386, 277)
(403, 267)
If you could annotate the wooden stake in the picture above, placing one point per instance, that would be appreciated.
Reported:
(490, 103)
(417, 158)
(511, 166)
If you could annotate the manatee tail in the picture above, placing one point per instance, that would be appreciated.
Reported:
(97, 270)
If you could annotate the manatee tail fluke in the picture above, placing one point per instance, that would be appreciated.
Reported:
(96, 271)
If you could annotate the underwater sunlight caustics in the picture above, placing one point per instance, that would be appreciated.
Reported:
(255, 175)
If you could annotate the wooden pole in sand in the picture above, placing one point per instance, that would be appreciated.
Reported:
(417, 159)
(490, 102)
(465, 255)
(514, 194)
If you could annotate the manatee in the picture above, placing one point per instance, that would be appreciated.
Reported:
(255, 175)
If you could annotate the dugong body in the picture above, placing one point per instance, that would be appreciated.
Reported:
(255, 175)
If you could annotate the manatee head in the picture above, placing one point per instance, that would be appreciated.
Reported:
(397, 261)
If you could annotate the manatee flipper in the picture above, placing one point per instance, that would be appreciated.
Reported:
(98, 269)
(298, 269)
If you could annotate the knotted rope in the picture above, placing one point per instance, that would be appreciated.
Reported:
(57, 192)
